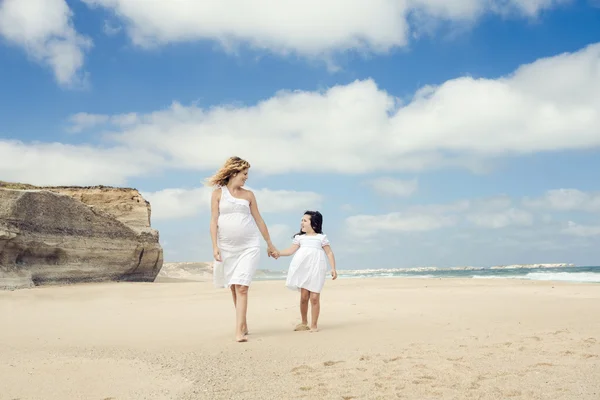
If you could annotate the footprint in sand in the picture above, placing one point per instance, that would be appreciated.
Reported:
(543, 364)
(392, 359)
(301, 369)
(330, 363)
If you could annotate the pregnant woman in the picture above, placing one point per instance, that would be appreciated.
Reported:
(234, 228)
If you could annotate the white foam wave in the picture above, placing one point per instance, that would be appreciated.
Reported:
(592, 277)
(565, 276)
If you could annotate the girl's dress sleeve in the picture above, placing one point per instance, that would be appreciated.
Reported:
(324, 240)
(296, 240)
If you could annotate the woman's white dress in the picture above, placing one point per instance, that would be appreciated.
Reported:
(238, 240)
(309, 264)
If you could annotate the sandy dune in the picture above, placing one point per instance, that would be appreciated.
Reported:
(379, 339)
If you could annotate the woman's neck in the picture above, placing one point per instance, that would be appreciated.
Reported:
(232, 187)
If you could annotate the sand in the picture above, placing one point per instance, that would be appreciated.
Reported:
(378, 339)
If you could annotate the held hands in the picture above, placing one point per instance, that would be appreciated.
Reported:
(273, 252)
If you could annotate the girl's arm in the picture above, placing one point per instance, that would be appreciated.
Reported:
(214, 218)
(289, 251)
(331, 259)
(262, 227)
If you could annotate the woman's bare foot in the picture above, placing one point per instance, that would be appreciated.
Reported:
(301, 327)
(314, 329)
(245, 330)
(241, 339)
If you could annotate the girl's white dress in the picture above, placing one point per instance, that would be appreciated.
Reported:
(309, 264)
(238, 240)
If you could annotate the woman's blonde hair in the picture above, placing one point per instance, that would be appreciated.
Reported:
(232, 166)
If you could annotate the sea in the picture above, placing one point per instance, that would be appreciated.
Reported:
(582, 274)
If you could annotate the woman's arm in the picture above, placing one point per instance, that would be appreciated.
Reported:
(262, 227)
(214, 219)
(331, 259)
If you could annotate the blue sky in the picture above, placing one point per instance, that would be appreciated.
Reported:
(427, 132)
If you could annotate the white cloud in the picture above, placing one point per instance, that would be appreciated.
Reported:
(310, 28)
(61, 164)
(494, 212)
(174, 203)
(278, 201)
(43, 28)
(281, 235)
(347, 207)
(551, 104)
(369, 225)
(394, 187)
(82, 121)
(109, 29)
(566, 200)
(501, 219)
(581, 230)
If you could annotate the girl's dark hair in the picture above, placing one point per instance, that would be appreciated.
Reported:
(316, 222)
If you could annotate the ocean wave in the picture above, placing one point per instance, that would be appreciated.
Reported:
(565, 276)
(592, 277)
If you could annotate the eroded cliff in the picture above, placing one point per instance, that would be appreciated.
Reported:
(75, 234)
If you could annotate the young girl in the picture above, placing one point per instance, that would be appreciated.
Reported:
(308, 267)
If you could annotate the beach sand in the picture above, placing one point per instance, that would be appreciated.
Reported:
(379, 339)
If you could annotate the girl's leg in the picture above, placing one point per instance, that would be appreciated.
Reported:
(315, 309)
(245, 328)
(241, 307)
(304, 296)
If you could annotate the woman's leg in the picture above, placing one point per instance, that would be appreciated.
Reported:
(232, 287)
(315, 309)
(241, 307)
(245, 328)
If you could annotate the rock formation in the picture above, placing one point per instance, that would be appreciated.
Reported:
(186, 271)
(75, 234)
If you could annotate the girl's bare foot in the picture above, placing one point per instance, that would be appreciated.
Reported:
(245, 330)
(314, 329)
(301, 327)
